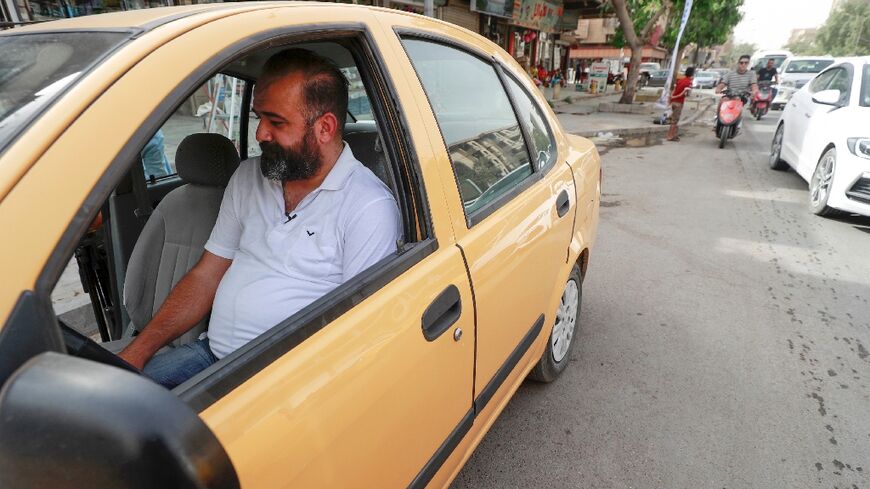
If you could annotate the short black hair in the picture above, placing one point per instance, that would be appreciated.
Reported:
(325, 87)
(745, 56)
(690, 71)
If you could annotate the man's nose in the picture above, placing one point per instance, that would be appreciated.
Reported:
(263, 135)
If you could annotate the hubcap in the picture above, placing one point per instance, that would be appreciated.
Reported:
(822, 180)
(566, 318)
(776, 146)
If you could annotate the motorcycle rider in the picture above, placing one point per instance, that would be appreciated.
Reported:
(740, 80)
(769, 74)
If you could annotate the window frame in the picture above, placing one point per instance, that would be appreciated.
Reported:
(474, 218)
(550, 134)
(219, 379)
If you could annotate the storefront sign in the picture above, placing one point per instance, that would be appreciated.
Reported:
(498, 8)
(538, 14)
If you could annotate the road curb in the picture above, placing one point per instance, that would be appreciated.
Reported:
(624, 131)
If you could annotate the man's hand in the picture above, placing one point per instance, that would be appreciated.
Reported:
(719, 88)
(188, 302)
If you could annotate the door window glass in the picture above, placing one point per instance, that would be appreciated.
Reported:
(477, 122)
(842, 81)
(543, 145)
(822, 81)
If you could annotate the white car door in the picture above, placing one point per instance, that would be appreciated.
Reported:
(819, 119)
(797, 115)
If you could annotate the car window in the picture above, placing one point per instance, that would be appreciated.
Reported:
(807, 65)
(821, 82)
(842, 81)
(36, 69)
(540, 136)
(477, 122)
(215, 107)
(865, 87)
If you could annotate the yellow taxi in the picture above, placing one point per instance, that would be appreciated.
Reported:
(118, 133)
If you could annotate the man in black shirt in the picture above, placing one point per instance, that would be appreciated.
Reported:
(769, 74)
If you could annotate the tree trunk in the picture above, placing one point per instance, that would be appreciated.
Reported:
(636, 43)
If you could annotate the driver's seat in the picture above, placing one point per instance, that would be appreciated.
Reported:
(172, 241)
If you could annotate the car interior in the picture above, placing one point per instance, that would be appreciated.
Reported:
(152, 228)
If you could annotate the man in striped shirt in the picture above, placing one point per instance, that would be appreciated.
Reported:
(740, 81)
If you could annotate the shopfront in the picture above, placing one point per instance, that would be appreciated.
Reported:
(534, 27)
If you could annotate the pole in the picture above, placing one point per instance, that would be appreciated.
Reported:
(429, 8)
(666, 91)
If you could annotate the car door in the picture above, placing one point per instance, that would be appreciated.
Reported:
(512, 214)
(817, 119)
(800, 109)
(361, 389)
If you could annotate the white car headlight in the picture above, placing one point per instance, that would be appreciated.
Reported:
(859, 147)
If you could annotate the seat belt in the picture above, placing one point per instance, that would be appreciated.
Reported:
(140, 192)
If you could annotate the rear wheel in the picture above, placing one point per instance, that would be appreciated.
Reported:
(820, 184)
(555, 357)
(775, 161)
(723, 135)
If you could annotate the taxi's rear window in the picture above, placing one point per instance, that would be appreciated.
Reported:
(35, 69)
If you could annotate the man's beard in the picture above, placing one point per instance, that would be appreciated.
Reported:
(281, 165)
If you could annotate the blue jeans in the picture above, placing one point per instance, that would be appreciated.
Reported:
(175, 366)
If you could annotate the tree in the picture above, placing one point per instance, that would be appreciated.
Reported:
(847, 30)
(637, 28)
(710, 24)
(805, 45)
(728, 59)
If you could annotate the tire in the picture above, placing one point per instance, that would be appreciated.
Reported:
(820, 184)
(557, 354)
(758, 116)
(723, 135)
(774, 161)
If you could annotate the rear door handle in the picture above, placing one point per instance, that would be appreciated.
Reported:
(563, 203)
(442, 313)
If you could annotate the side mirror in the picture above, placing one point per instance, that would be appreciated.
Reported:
(66, 422)
(827, 97)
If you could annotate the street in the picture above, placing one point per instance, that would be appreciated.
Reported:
(724, 337)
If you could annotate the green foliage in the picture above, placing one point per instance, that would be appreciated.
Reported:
(847, 30)
(710, 22)
(805, 45)
(641, 12)
(729, 58)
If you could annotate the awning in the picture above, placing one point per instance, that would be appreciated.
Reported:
(610, 52)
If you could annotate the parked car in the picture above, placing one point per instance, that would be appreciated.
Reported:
(720, 72)
(824, 134)
(795, 73)
(657, 78)
(759, 58)
(645, 69)
(705, 79)
(391, 379)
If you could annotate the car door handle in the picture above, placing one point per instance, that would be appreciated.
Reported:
(563, 203)
(442, 313)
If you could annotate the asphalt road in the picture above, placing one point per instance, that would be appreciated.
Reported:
(724, 340)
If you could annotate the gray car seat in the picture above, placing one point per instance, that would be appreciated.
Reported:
(173, 238)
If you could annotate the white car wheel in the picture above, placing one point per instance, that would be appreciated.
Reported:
(820, 184)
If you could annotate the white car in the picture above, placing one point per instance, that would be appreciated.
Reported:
(795, 73)
(824, 134)
(705, 79)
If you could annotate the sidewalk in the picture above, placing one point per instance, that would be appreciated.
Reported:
(583, 116)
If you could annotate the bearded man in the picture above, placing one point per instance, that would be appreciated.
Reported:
(295, 223)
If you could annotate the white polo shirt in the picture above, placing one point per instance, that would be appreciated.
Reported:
(344, 226)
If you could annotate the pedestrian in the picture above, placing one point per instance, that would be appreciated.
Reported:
(678, 98)
(557, 82)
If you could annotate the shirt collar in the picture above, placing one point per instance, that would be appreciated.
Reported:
(340, 172)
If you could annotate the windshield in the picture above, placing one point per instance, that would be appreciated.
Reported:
(865, 87)
(707, 74)
(36, 69)
(808, 65)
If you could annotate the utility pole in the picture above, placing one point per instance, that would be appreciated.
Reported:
(429, 8)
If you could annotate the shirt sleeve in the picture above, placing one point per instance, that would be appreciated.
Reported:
(227, 231)
(753, 78)
(370, 235)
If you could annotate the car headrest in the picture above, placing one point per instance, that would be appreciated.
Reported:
(206, 159)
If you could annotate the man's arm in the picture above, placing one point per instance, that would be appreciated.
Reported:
(187, 303)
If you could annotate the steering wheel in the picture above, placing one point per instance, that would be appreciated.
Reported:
(81, 346)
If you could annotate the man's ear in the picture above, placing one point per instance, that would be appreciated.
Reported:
(326, 128)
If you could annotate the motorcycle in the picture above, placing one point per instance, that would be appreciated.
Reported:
(729, 115)
(761, 101)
